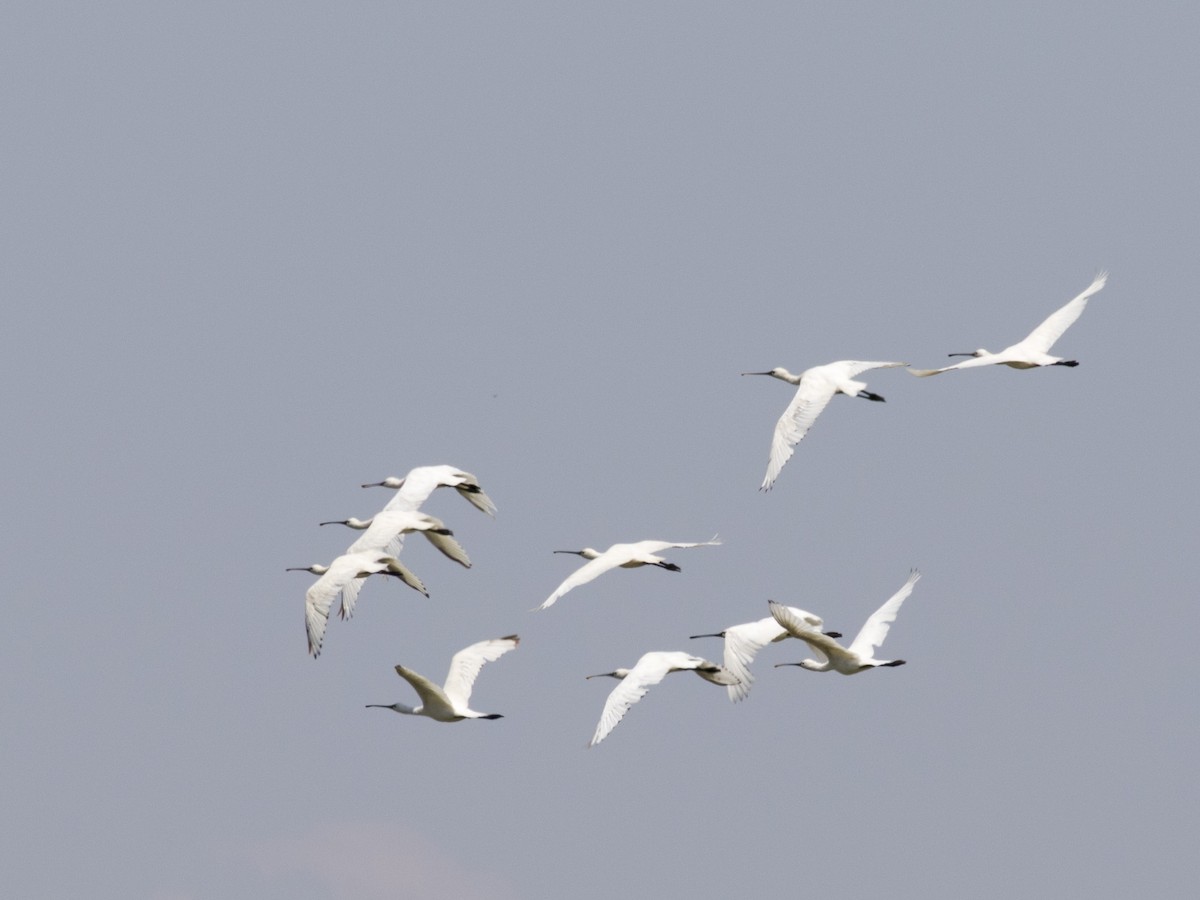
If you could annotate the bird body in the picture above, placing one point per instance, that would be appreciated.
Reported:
(384, 532)
(625, 556)
(414, 488)
(860, 655)
(742, 643)
(450, 702)
(815, 387)
(345, 576)
(1034, 351)
(652, 668)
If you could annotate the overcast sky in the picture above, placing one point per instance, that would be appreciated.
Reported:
(258, 254)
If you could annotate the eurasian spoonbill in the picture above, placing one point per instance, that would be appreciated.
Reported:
(449, 703)
(345, 576)
(650, 670)
(816, 387)
(860, 655)
(414, 488)
(1034, 351)
(385, 529)
(742, 643)
(626, 556)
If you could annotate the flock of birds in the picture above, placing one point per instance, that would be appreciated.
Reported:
(376, 552)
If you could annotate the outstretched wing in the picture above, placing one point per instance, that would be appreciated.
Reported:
(466, 663)
(989, 360)
(474, 493)
(449, 547)
(659, 546)
(875, 629)
(1042, 338)
(434, 702)
(649, 671)
(806, 627)
(589, 571)
(812, 396)
(742, 643)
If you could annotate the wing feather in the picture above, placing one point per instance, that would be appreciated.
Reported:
(466, 663)
(875, 629)
(1042, 338)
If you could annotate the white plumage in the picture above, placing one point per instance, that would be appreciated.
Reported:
(815, 388)
(625, 556)
(650, 670)
(1034, 350)
(450, 702)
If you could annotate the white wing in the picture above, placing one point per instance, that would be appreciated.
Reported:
(590, 570)
(658, 546)
(615, 556)
(990, 359)
(344, 576)
(811, 397)
(817, 387)
(875, 629)
(474, 493)
(466, 663)
(449, 547)
(649, 671)
(806, 627)
(742, 643)
(1042, 338)
(434, 702)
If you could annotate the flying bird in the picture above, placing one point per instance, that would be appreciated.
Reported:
(1034, 350)
(384, 532)
(626, 556)
(414, 488)
(816, 387)
(742, 643)
(860, 655)
(345, 576)
(449, 702)
(650, 670)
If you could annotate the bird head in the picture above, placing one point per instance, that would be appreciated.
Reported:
(586, 552)
(315, 568)
(615, 673)
(390, 482)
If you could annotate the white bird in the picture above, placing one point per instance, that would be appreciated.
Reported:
(626, 556)
(345, 576)
(449, 702)
(816, 387)
(860, 654)
(414, 488)
(742, 643)
(384, 532)
(650, 670)
(1034, 350)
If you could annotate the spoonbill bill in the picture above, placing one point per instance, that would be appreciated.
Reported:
(345, 576)
(414, 488)
(815, 388)
(449, 702)
(1034, 351)
(626, 556)
(384, 531)
(650, 670)
(860, 655)
(742, 643)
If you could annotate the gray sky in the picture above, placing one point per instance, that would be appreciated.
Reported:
(258, 254)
